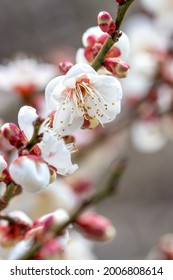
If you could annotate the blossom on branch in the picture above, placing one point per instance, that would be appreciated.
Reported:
(93, 40)
(82, 95)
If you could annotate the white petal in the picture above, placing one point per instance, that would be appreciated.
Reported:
(109, 87)
(33, 175)
(124, 46)
(80, 57)
(56, 154)
(20, 249)
(21, 215)
(147, 137)
(51, 97)
(106, 103)
(77, 70)
(26, 116)
(3, 164)
(67, 120)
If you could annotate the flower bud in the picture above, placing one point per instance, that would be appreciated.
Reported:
(81, 185)
(117, 67)
(54, 219)
(102, 38)
(30, 172)
(96, 227)
(13, 134)
(15, 230)
(64, 66)
(90, 41)
(105, 22)
(50, 250)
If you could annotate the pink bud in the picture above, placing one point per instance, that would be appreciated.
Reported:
(91, 40)
(89, 54)
(102, 38)
(106, 22)
(96, 227)
(52, 249)
(81, 185)
(52, 220)
(117, 67)
(64, 66)
(13, 134)
(13, 231)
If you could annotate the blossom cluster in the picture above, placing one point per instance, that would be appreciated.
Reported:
(39, 147)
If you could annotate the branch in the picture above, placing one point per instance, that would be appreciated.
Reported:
(11, 190)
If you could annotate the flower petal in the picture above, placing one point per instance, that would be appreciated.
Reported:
(26, 116)
(56, 154)
(95, 31)
(80, 57)
(123, 45)
(66, 119)
(77, 70)
(52, 92)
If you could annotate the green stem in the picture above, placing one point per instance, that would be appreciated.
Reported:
(122, 9)
(99, 59)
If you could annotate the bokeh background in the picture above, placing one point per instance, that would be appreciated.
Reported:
(142, 211)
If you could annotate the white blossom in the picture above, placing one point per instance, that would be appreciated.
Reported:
(147, 136)
(82, 94)
(123, 43)
(25, 71)
(53, 150)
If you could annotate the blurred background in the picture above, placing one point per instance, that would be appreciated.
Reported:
(51, 30)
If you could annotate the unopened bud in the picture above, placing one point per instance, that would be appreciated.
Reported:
(51, 249)
(96, 227)
(106, 22)
(13, 134)
(81, 185)
(13, 231)
(30, 172)
(90, 40)
(117, 67)
(64, 66)
(54, 219)
(101, 39)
